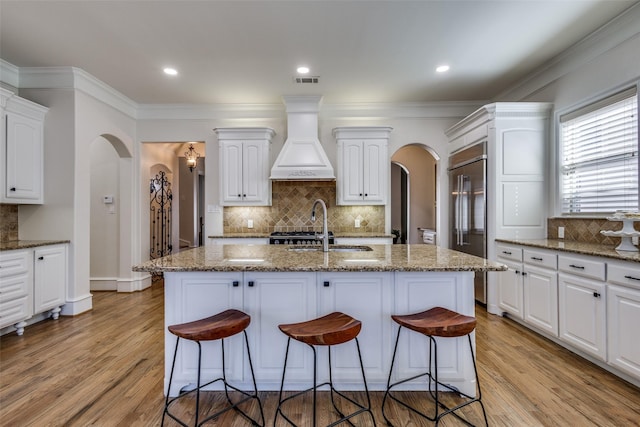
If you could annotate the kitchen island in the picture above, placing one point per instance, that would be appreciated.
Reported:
(275, 285)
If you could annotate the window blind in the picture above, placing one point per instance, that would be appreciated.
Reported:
(600, 156)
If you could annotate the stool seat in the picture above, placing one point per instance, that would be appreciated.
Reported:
(437, 322)
(332, 329)
(221, 325)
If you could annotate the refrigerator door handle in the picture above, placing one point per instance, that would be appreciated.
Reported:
(466, 230)
(459, 213)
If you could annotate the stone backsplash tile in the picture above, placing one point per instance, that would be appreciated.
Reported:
(291, 211)
(8, 223)
(585, 230)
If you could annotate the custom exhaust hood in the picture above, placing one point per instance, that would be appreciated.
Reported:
(302, 156)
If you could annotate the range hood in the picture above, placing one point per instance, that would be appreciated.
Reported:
(302, 156)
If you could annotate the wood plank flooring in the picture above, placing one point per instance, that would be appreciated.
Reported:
(105, 368)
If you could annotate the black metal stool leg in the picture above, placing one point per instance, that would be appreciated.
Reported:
(364, 381)
(253, 378)
(173, 365)
(284, 371)
(198, 385)
(393, 361)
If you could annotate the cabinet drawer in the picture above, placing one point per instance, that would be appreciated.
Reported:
(14, 287)
(14, 311)
(14, 263)
(624, 274)
(582, 267)
(512, 253)
(541, 258)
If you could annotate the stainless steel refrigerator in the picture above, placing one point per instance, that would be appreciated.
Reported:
(467, 207)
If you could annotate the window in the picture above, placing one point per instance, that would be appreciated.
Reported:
(600, 156)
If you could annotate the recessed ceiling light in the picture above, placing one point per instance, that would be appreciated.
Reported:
(303, 70)
(170, 71)
(442, 69)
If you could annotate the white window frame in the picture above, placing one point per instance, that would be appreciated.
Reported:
(559, 151)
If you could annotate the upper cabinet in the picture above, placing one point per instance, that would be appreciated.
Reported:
(21, 153)
(363, 165)
(244, 166)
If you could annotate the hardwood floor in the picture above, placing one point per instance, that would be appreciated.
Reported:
(105, 368)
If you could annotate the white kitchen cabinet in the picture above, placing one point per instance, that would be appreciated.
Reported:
(582, 304)
(623, 317)
(363, 165)
(49, 279)
(16, 283)
(21, 153)
(244, 166)
(201, 295)
(516, 136)
(367, 297)
(540, 286)
(510, 282)
(272, 299)
(416, 292)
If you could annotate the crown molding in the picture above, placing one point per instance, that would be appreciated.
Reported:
(76, 78)
(9, 74)
(418, 110)
(209, 111)
(617, 31)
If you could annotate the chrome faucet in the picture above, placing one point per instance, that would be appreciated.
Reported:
(325, 232)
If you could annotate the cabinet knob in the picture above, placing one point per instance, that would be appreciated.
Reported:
(239, 195)
(12, 189)
(524, 273)
(236, 283)
(40, 258)
(366, 195)
(360, 194)
(517, 271)
(251, 283)
(596, 294)
(244, 195)
(326, 284)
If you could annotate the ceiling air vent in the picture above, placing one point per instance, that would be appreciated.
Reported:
(304, 80)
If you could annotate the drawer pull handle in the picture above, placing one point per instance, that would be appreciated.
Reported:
(236, 283)
(631, 277)
(251, 283)
(326, 284)
(506, 252)
(535, 258)
(596, 294)
(579, 267)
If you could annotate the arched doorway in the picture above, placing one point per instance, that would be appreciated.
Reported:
(110, 215)
(414, 182)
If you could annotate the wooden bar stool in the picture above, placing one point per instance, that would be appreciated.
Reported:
(217, 327)
(332, 329)
(436, 322)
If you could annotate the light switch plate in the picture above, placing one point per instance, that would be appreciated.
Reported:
(249, 223)
(560, 232)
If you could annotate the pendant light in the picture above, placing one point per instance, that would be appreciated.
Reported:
(191, 155)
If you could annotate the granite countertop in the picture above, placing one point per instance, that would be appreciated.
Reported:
(279, 258)
(266, 235)
(13, 245)
(593, 249)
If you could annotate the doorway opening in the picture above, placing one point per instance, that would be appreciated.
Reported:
(414, 172)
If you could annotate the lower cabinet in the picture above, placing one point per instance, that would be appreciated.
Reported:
(32, 281)
(367, 297)
(271, 299)
(623, 318)
(540, 290)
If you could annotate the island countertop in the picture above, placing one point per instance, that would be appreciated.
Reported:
(278, 258)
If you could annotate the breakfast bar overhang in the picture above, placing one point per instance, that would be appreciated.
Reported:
(278, 284)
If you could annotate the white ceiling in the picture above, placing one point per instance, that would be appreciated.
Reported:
(247, 51)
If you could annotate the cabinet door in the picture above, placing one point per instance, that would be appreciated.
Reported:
(417, 292)
(254, 175)
(623, 307)
(231, 172)
(16, 282)
(24, 159)
(541, 298)
(272, 299)
(352, 172)
(367, 297)
(582, 314)
(510, 289)
(50, 278)
(194, 296)
(374, 171)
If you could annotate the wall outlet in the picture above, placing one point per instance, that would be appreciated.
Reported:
(560, 232)
(357, 223)
(249, 223)
(634, 240)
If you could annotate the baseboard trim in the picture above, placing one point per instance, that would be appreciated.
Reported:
(77, 306)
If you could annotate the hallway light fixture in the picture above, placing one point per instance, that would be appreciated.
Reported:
(191, 155)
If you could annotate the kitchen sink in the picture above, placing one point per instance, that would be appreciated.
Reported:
(332, 248)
